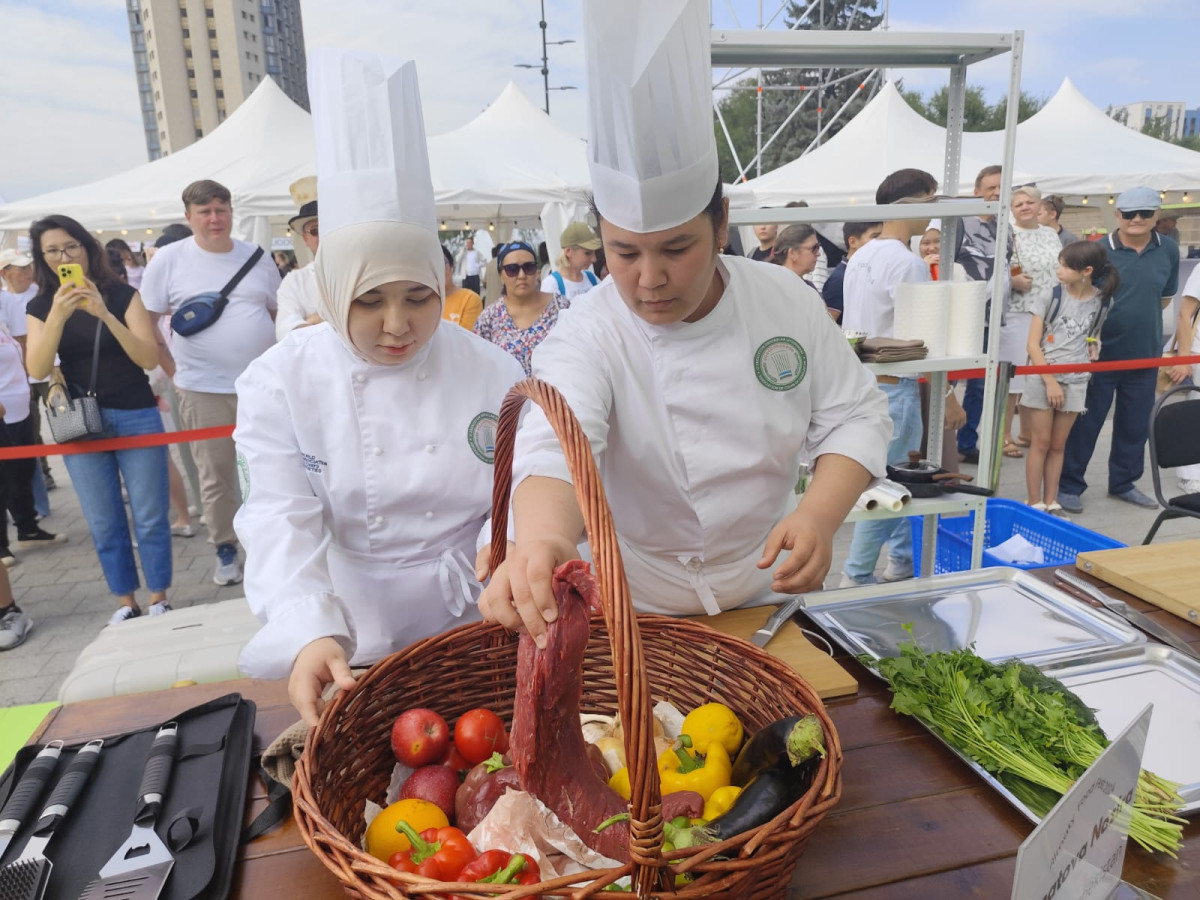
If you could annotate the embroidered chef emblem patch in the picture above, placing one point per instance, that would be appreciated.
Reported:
(780, 364)
(481, 435)
(243, 477)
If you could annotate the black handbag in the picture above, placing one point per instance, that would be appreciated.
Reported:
(77, 419)
(203, 310)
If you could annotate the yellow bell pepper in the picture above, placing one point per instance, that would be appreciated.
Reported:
(619, 782)
(720, 801)
(681, 770)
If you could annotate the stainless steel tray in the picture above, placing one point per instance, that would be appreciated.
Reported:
(1003, 612)
(1117, 684)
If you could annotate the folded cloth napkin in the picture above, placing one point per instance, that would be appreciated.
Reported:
(892, 350)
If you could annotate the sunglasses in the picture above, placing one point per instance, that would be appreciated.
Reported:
(1128, 214)
(512, 270)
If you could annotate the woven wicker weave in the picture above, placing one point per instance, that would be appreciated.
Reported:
(631, 662)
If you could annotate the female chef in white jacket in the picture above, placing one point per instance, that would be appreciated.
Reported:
(365, 449)
(700, 380)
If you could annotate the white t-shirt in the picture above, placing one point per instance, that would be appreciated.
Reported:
(12, 311)
(569, 289)
(1192, 289)
(870, 286)
(212, 360)
(14, 383)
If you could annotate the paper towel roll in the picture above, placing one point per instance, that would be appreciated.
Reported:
(923, 313)
(968, 305)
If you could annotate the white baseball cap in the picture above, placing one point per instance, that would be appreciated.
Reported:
(14, 257)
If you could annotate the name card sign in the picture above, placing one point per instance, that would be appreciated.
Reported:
(282, 243)
(1078, 849)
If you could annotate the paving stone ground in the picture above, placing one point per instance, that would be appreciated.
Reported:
(61, 587)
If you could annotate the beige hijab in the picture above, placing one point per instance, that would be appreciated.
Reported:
(356, 258)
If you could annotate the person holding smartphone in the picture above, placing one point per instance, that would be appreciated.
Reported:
(80, 294)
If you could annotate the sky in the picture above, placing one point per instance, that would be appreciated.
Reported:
(69, 109)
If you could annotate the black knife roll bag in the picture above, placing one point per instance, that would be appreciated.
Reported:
(201, 819)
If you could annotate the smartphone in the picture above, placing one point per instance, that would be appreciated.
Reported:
(71, 272)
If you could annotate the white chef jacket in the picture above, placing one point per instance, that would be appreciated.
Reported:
(298, 298)
(366, 487)
(699, 428)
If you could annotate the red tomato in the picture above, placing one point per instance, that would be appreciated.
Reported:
(455, 760)
(478, 734)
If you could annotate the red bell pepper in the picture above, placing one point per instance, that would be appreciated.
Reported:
(439, 853)
(499, 867)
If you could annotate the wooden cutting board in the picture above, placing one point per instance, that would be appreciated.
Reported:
(1167, 575)
(820, 670)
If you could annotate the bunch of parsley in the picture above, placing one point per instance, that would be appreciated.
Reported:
(1026, 729)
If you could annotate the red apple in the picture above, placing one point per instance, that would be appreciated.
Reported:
(437, 784)
(420, 737)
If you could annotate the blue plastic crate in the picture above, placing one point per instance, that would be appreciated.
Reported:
(1061, 540)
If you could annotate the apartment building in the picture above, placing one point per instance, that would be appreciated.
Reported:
(197, 60)
(1138, 115)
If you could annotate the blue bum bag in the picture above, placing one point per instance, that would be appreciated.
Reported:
(203, 310)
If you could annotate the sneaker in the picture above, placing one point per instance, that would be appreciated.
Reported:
(228, 571)
(48, 480)
(1055, 509)
(124, 612)
(1041, 507)
(157, 609)
(897, 571)
(7, 558)
(14, 627)
(184, 531)
(849, 581)
(1072, 503)
(969, 456)
(34, 538)
(1136, 497)
(1189, 485)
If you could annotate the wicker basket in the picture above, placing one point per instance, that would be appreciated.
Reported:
(630, 659)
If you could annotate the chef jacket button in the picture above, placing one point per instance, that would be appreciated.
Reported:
(379, 520)
(422, 375)
(379, 451)
(430, 448)
(360, 378)
(429, 515)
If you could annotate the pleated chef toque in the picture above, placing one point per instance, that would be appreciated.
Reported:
(652, 151)
(378, 219)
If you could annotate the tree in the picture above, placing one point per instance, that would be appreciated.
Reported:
(978, 115)
(740, 107)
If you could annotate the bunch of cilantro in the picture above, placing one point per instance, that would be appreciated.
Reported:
(1026, 729)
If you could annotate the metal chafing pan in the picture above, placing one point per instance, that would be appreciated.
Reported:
(1118, 684)
(1002, 612)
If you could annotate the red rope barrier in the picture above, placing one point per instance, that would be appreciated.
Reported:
(1116, 365)
(125, 443)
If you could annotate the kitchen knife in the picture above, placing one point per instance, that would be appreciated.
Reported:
(1126, 612)
(775, 621)
(27, 876)
(139, 868)
(26, 793)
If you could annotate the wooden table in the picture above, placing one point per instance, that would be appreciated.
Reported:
(913, 820)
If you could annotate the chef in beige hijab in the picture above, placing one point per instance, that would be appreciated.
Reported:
(365, 443)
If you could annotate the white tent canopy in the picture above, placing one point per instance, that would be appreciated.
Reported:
(1071, 147)
(263, 147)
(886, 135)
(504, 166)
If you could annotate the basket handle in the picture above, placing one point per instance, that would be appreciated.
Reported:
(633, 691)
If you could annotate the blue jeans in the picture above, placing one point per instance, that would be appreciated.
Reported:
(1134, 394)
(97, 480)
(968, 435)
(904, 407)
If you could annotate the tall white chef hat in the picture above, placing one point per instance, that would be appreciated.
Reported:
(651, 147)
(378, 220)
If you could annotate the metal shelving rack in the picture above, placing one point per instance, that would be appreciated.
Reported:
(891, 49)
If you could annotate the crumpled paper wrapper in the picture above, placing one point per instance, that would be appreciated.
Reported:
(520, 823)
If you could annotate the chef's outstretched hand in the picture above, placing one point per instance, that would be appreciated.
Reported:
(520, 595)
(809, 557)
(321, 662)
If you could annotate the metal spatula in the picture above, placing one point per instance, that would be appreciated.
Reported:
(139, 868)
(26, 877)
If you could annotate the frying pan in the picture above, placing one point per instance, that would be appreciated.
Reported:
(924, 479)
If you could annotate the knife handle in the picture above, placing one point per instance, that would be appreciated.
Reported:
(157, 775)
(29, 789)
(67, 790)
